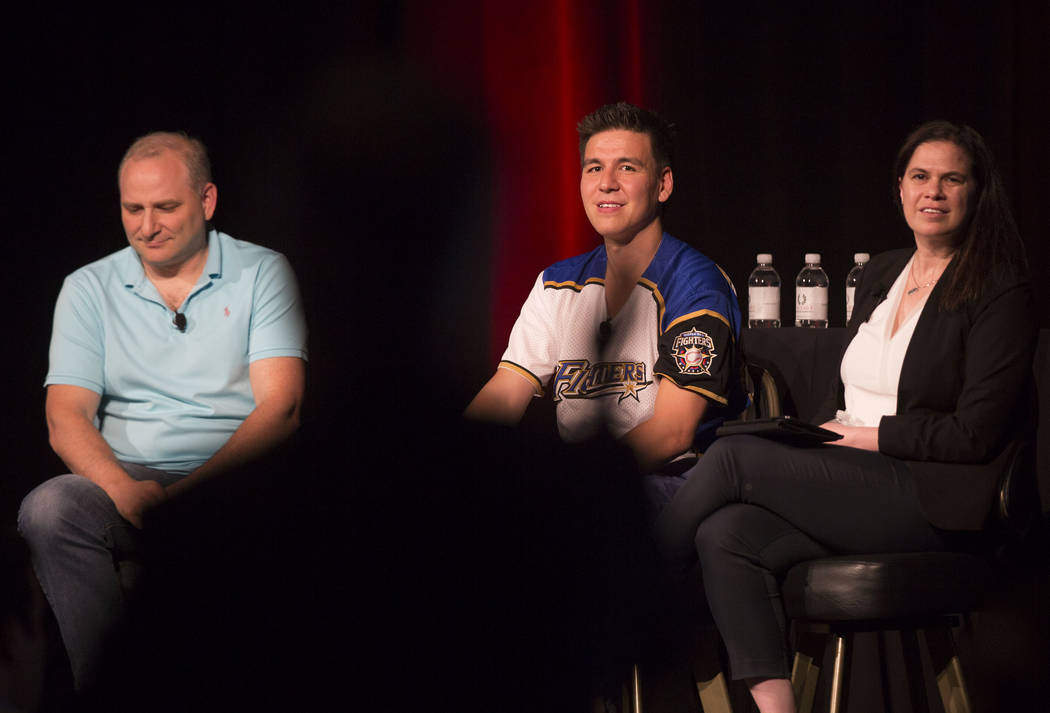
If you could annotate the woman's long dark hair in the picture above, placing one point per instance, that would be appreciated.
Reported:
(990, 247)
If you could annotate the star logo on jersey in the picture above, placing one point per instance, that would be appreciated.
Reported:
(693, 352)
(579, 379)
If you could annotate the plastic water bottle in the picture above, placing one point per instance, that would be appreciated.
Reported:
(859, 261)
(763, 294)
(811, 294)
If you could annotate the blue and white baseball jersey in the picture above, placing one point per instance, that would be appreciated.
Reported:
(681, 321)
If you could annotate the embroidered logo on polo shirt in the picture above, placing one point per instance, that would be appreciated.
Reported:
(693, 352)
(579, 379)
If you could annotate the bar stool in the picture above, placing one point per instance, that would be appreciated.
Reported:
(921, 594)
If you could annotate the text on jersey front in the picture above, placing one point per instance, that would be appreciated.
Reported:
(579, 379)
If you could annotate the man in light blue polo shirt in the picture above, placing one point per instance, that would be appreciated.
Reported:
(174, 359)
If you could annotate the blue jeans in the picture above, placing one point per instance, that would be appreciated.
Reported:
(76, 537)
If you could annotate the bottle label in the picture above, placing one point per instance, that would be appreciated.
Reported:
(763, 303)
(849, 302)
(811, 303)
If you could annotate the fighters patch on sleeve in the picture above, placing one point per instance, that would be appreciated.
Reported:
(693, 352)
(698, 353)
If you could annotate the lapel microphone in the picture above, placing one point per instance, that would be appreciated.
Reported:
(179, 321)
(879, 293)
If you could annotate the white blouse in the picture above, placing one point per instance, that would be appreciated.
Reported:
(871, 366)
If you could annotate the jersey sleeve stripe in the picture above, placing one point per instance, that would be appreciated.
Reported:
(522, 371)
(699, 313)
(695, 389)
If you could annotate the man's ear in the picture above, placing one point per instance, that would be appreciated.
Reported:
(209, 198)
(666, 184)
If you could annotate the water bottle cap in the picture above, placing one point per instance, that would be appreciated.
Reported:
(812, 257)
(861, 258)
(764, 258)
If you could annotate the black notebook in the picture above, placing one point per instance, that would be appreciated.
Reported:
(780, 428)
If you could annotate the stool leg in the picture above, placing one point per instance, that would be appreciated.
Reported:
(804, 676)
(805, 670)
(714, 694)
(913, 670)
(839, 673)
(947, 669)
(708, 676)
(633, 692)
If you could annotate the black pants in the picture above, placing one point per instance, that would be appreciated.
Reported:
(751, 508)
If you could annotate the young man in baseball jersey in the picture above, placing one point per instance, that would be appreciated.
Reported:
(638, 337)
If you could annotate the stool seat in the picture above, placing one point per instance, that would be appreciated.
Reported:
(831, 598)
(886, 586)
(922, 595)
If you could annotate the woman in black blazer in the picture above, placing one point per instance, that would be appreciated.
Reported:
(934, 383)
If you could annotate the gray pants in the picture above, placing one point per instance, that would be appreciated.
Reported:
(751, 508)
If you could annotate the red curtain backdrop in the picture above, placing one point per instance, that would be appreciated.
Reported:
(533, 70)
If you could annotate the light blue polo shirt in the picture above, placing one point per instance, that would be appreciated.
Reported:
(170, 399)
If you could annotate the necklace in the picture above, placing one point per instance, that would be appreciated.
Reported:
(911, 274)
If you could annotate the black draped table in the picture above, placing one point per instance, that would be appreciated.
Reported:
(803, 362)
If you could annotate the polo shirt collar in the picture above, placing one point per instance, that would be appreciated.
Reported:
(133, 275)
(213, 267)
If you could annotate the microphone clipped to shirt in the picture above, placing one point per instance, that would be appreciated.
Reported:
(179, 321)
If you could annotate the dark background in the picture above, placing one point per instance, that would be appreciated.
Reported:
(416, 161)
(792, 115)
(331, 129)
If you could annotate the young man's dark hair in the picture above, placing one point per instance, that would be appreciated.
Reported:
(622, 115)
